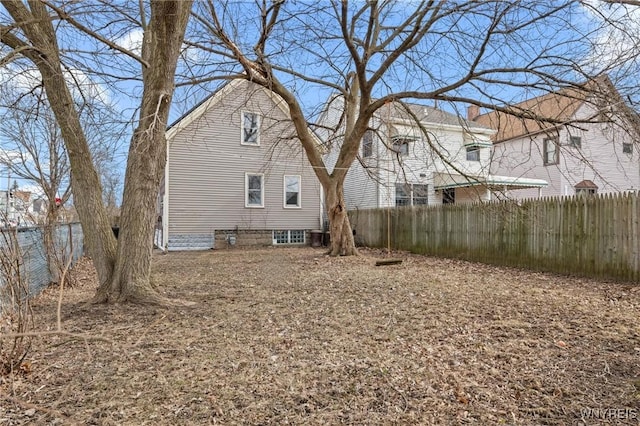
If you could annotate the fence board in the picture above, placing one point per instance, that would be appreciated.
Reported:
(591, 236)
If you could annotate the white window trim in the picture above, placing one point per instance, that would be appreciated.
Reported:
(545, 151)
(242, 142)
(246, 191)
(284, 194)
(409, 190)
(289, 237)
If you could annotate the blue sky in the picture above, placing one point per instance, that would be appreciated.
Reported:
(442, 59)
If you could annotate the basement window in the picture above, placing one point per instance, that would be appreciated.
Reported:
(289, 237)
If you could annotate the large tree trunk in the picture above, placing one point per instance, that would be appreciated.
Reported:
(342, 242)
(44, 52)
(147, 156)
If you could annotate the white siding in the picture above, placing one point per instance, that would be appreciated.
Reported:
(372, 183)
(599, 159)
(360, 186)
(207, 166)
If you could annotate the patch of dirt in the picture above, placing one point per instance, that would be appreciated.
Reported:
(291, 336)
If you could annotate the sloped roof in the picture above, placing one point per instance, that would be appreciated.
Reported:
(547, 111)
(427, 114)
(586, 184)
(207, 103)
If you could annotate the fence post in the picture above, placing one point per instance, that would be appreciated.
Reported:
(70, 241)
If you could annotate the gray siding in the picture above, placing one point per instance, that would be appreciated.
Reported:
(207, 166)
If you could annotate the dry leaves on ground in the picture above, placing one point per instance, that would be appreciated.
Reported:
(291, 336)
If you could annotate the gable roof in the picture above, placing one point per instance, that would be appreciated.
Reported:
(207, 103)
(548, 110)
(586, 184)
(553, 110)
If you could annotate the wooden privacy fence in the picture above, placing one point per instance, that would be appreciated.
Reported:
(597, 236)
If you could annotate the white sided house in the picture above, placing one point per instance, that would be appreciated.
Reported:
(418, 155)
(592, 149)
(236, 175)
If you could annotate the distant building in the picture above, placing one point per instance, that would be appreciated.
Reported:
(419, 155)
(591, 147)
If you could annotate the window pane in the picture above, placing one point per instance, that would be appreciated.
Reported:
(550, 151)
(255, 182)
(292, 183)
(473, 153)
(254, 190)
(449, 196)
(250, 128)
(401, 146)
(367, 144)
(255, 197)
(292, 191)
(296, 237)
(292, 198)
(420, 194)
(402, 194)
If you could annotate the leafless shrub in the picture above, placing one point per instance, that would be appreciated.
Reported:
(16, 317)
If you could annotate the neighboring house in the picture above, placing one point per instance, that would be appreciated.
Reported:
(443, 159)
(17, 208)
(236, 174)
(593, 149)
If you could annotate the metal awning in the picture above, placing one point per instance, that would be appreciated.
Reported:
(454, 180)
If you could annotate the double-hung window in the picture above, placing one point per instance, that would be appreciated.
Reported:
(420, 194)
(551, 153)
(250, 131)
(367, 144)
(292, 191)
(403, 194)
(411, 194)
(254, 190)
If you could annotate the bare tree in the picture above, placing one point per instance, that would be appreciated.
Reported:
(372, 53)
(124, 267)
(34, 148)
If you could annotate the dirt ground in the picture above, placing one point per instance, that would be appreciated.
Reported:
(291, 336)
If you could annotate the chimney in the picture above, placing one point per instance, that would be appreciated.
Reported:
(472, 112)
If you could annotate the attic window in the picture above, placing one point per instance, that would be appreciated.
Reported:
(250, 128)
(627, 148)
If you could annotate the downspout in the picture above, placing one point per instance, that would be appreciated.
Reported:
(379, 175)
(321, 195)
(165, 205)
